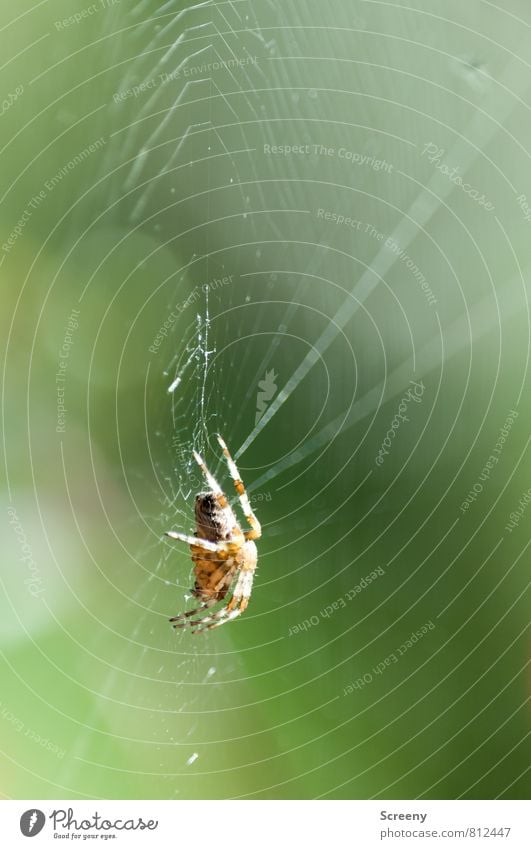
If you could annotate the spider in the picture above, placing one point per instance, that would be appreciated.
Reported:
(223, 554)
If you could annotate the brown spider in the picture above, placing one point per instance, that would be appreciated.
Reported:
(223, 554)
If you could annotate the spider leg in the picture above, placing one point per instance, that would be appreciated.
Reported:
(206, 544)
(212, 482)
(256, 529)
(235, 607)
(216, 620)
(185, 617)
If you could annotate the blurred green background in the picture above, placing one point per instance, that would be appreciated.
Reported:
(293, 208)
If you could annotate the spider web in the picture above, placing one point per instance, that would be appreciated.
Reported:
(227, 351)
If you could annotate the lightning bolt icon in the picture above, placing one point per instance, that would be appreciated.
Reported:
(32, 821)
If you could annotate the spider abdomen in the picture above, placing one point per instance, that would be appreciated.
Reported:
(214, 518)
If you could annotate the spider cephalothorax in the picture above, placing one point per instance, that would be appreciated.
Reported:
(223, 554)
